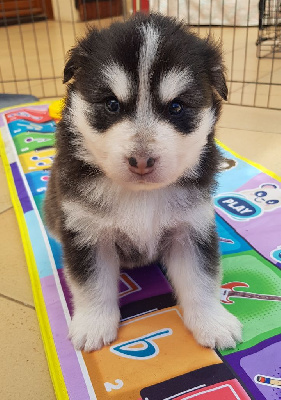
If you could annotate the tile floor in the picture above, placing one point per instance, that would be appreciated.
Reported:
(254, 133)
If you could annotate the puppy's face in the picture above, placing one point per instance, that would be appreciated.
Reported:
(144, 100)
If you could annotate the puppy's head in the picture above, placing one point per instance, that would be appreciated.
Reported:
(144, 99)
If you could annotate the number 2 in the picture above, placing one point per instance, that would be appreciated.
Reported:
(109, 386)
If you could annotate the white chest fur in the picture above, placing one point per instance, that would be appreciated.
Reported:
(142, 215)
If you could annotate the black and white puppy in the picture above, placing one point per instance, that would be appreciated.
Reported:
(133, 177)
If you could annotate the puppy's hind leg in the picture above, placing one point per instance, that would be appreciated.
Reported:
(93, 278)
(192, 263)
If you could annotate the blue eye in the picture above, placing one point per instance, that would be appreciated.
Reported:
(175, 107)
(272, 201)
(112, 105)
(261, 193)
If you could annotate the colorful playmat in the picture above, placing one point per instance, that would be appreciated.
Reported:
(155, 357)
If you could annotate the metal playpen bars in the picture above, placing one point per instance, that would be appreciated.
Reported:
(36, 34)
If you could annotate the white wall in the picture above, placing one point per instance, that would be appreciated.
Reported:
(226, 12)
(64, 10)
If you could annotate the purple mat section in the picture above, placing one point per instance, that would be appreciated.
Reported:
(154, 286)
(21, 190)
(66, 291)
(70, 367)
(259, 360)
(134, 280)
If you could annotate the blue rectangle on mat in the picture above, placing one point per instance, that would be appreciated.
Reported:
(38, 245)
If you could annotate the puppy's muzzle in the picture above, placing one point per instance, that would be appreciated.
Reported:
(141, 165)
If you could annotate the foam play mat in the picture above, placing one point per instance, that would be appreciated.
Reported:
(155, 357)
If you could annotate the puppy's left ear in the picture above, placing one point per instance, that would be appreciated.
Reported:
(215, 67)
(218, 82)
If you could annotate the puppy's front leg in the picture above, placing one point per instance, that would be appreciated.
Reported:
(192, 262)
(93, 281)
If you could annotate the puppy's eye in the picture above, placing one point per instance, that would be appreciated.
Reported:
(112, 105)
(175, 107)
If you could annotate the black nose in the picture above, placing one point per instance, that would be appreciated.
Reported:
(134, 163)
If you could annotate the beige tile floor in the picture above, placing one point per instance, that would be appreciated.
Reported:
(254, 133)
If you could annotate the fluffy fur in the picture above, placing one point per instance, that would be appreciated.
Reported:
(134, 173)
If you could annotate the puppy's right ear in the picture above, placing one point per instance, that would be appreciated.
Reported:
(70, 66)
(68, 72)
(78, 57)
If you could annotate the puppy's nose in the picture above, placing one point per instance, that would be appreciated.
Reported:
(140, 165)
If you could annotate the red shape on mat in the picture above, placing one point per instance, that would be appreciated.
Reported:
(29, 115)
(228, 390)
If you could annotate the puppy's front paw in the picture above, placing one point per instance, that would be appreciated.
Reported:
(92, 330)
(215, 328)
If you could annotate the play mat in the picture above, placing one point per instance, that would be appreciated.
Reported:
(155, 357)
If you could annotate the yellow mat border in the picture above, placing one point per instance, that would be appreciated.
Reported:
(252, 163)
(41, 311)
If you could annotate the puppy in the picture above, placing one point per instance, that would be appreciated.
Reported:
(134, 173)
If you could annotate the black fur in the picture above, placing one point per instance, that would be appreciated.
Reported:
(207, 250)
(79, 260)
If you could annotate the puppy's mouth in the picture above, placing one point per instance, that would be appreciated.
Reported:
(147, 177)
(145, 172)
(148, 180)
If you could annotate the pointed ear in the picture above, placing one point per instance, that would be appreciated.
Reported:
(69, 69)
(218, 81)
(215, 67)
(78, 56)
